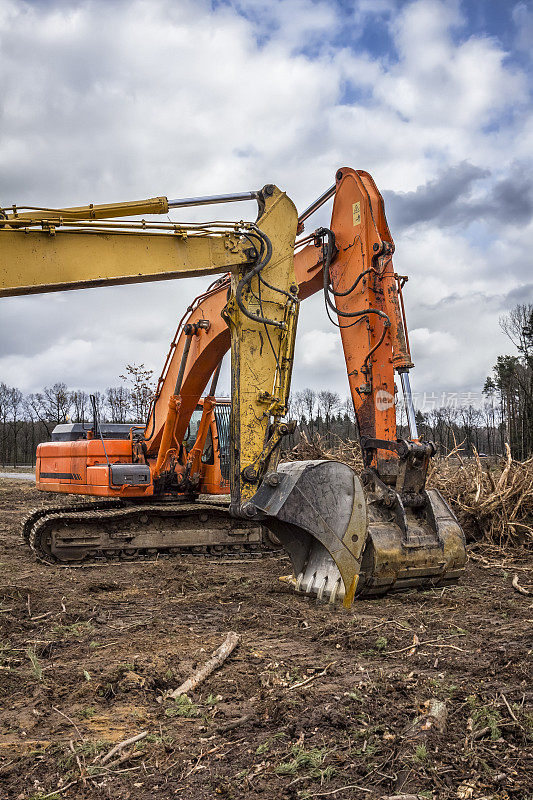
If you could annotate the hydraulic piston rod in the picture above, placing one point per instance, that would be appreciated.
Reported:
(317, 203)
(14, 217)
(409, 407)
(211, 199)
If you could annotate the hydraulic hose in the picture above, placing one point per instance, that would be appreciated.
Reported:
(265, 255)
(329, 249)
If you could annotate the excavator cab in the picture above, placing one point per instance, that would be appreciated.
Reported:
(64, 464)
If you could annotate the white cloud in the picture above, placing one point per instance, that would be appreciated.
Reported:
(319, 350)
(104, 101)
(439, 83)
(431, 344)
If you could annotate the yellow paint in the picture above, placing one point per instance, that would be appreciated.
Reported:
(34, 261)
(259, 390)
(154, 205)
(350, 594)
(45, 251)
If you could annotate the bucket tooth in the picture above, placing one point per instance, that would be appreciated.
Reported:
(311, 585)
(320, 592)
(337, 591)
(321, 577)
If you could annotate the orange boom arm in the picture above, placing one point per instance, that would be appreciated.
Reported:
(374, 340)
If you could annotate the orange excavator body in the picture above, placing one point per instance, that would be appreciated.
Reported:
(81, 466)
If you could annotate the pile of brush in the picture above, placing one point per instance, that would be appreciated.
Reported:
(493, 498)
(320, 447)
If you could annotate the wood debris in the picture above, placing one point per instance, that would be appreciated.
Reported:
(219, 656)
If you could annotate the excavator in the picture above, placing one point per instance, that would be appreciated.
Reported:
(346, 535)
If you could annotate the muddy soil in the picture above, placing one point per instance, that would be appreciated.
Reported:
(312, 703)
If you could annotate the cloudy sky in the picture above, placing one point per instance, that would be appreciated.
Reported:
(108, 100)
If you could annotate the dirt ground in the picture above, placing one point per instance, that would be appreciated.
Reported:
(312, 703)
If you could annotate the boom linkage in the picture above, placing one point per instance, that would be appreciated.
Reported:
(57, 254)
(361, 287)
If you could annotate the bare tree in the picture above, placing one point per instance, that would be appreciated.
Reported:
(470, 418)
(449, 417)
(4, 414)
(119, 403)
(52, 405)
(517, 324)
(514, 379)
(328, 403)
(15, 412)
(309, 405)
(99, 404)
(57, 401)
(347, 407)
(298, 407)
(142, 389)
(30, 430)
(35, 408)
(80, 401)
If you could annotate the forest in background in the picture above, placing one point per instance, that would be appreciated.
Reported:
(502, 413)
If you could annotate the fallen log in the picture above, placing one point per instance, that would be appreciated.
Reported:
(234, 723)
(402, 797)
(120, 746)
(219, 656)
(517, 587)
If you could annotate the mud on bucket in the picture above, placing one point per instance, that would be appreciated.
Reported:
(344, 542)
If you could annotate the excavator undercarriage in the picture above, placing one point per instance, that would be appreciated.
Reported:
(119, 531)
(319, 511)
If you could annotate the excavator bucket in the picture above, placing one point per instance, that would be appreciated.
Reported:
(317, 510)
(344, 542)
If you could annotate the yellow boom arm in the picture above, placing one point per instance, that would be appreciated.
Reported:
(44, 250)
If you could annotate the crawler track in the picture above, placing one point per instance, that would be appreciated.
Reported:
(109, 531)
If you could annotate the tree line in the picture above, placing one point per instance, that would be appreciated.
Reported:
(504, 413)
(326, 415)
(27, 420)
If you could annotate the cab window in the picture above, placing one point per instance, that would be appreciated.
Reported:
(192, 430)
